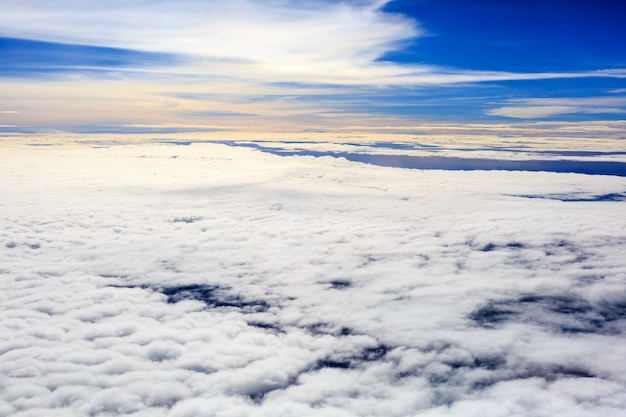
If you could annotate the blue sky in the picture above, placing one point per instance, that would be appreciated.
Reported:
(196, 65)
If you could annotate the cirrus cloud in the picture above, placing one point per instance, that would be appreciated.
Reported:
(281, 36)
(261, 42)
(533, 108)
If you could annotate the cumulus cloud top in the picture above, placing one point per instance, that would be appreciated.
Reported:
(172, 280)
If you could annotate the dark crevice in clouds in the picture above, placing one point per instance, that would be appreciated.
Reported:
(471, 164)
(340, 284)
(266, 326)
(186, 219)
(556, 372)
(175, 142)
(407, 146)
(557, 313)
(561, 251)
(327, 329)
(30, 245)
(454, 372)
(113, 276)
(548, 373)
(451, 163)
(492, 246)
(352, 360)
(214, 297)
(316, 329)
(578, 197)
(570, 252)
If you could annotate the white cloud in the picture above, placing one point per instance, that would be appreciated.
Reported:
(241, 29)
(226, 37)
(259, 42)
(532, 112)
(531, 108)
(230, 281)
(579, 101)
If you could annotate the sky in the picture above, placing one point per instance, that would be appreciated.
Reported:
(147, 66)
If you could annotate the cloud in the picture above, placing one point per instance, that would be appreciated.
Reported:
(241, 29)
(323, 42)
(531, 112)
(531, 108)
(9, 112)
(578, 101)
(276, 36)
(226, 280)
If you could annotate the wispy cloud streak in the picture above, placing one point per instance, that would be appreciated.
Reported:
(546, 107)
(276, 36)
(318, 42)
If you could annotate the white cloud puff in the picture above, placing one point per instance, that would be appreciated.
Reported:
(227, 282)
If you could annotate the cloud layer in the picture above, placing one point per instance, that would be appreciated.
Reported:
(163, 280)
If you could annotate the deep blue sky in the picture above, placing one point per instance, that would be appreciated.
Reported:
(309, 64)
(517, 35)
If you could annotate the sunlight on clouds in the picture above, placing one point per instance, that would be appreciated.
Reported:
(298, 37)
(163, 280)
